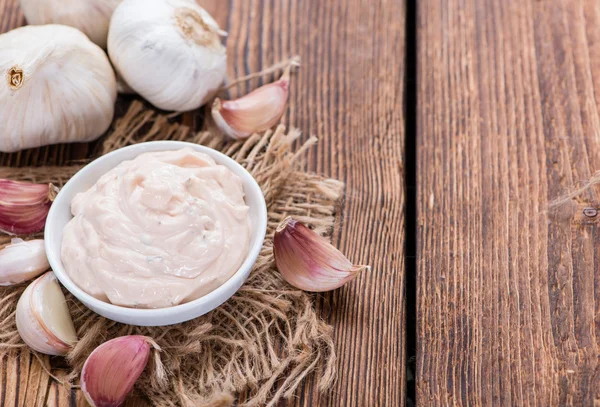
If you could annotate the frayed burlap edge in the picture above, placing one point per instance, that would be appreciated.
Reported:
(267, 338)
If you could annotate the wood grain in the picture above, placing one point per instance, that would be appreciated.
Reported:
(349, 93)
(508, 120)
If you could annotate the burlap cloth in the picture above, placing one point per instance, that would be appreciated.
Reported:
(266, 339)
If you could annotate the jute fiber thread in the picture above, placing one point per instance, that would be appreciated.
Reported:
(266, 339)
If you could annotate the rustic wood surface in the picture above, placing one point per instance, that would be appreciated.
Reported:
(349, 92)
(508, 120)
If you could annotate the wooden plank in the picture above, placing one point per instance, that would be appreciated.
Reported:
(508, 120)
(37, 385)
(349, 93)
(58, 394)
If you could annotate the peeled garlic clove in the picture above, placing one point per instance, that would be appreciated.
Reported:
(169, 52)
(43, 318)
(56, 86)
(308, 261)
(90, 16)
(24, 206)
(21, 261)
(112, 369)
(259, 110)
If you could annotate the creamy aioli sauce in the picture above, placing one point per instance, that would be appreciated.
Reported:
(162, 229)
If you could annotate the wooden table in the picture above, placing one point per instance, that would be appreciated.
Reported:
(508, 289)
(503, 296)
(349, 93)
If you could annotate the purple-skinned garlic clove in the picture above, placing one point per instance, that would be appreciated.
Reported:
(308, 261)
(111, 370)
(24, 206)
(257, 111)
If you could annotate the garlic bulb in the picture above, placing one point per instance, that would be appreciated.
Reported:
(308, 261)
(112, 369)
(43, 318)
(90, 16)
(21, 261)
(56, 86)
(168, 51)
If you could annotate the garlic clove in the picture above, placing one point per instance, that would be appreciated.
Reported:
(21, 261)
(112, 369)
(24, 206)
(257, 111)
(43, 318)
(308, 261)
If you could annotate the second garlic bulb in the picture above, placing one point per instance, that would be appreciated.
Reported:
(90, 16)
(56, 86)
(168, 51)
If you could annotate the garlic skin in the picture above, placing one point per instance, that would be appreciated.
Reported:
(112, 369)
(24, 206)
(92, 17)
(168, 51)
(257, 111)
(21, 261)
(56, 86)
(43, 318)
(308, 261)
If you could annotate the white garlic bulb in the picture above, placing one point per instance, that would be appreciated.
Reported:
(168, 51)
(56, 86)
(90, 16)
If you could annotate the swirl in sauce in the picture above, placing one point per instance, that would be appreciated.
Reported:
(162, 229)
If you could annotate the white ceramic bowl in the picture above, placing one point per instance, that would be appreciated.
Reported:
(60, 215)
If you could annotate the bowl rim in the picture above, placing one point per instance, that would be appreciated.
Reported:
(237, 279)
